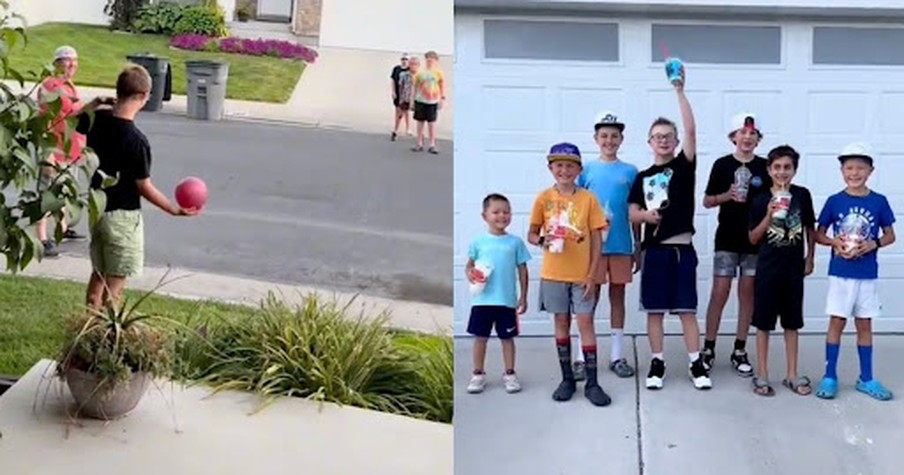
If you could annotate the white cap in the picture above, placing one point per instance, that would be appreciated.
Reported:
(857, 149)
(64, 52)
(738, 121)
(608, 119)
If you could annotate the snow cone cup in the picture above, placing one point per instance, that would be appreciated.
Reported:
(783, 198)
(673, 70)
(556, 245)
(479, 274)
(851, 242)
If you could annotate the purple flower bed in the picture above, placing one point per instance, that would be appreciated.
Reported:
(258, 47)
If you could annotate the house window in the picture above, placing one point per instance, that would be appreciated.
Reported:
(718, 44)
(550, 40)
(860, 46)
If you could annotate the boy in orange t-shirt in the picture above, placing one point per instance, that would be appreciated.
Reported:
(65, 62)
(566, 222)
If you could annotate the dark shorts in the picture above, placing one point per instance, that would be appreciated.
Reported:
(668, 283)
(485, 317)
(424, 112)
(778, 296)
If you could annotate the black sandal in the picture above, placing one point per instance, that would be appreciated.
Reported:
(761, 387)
(433, 150)
(417, 149)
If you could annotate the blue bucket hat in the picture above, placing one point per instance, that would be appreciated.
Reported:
(564, 151)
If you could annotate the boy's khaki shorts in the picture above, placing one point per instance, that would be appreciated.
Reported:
(614, 269)
(117, 244)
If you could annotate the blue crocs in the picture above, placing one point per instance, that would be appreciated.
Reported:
(828, 388)
(874, 389)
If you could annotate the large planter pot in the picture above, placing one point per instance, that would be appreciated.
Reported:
(100, 399)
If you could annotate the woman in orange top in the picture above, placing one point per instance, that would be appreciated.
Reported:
(65, 62)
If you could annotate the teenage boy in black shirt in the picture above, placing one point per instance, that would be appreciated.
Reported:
(662, 198)
(734, 182)
(117, 239)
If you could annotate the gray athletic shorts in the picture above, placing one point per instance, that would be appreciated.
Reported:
(726, 264)
(565, 297)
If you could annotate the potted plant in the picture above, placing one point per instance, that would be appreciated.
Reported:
(244, 12)
(110, 356)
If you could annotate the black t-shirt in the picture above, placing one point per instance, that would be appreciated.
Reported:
(123, 151)
(674, 180)
(731, 234)
(395, 75)
(782, 248)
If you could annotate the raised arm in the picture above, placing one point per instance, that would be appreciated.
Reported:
(687, 121)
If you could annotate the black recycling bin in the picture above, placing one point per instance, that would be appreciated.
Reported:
(161, 79)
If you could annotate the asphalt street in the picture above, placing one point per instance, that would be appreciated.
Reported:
(321, 207)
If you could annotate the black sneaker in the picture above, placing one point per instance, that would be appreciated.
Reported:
(72, 235)
(656, 374)
(699, 374)
(708, 356)
(565, 390)
(741, 363)
(595, 394)
(50, 249)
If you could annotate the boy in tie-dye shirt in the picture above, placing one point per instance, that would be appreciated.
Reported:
(429, 97)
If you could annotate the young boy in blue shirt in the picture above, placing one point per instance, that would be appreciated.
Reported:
(855, 215)
(610, 179)
(497, 304)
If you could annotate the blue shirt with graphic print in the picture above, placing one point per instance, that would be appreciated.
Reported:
(861, 216)
(611, 182)
(503, 254)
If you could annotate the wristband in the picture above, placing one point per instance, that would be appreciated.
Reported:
(541, 241)
(878, 243)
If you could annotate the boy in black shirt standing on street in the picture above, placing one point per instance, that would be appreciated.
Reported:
(782, 221)
(734, 182)
(662, 198)
(117, 239)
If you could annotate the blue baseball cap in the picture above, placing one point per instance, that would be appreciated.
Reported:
(564, 151)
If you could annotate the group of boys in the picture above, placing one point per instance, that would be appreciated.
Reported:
(107, 126)
(767, 232)
(421, 90)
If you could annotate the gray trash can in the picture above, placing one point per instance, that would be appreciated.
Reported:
(206, 89)
(161, 78)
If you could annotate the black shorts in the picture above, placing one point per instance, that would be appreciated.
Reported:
(668, 282)
(424, 112)
(777, 296)
(485, 317)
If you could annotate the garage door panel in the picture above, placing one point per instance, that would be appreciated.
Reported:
(578, 107)
(891, 108)
(825, 108)
(766, 105)
(509, 108)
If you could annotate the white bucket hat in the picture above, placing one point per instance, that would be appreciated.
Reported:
(65, 52)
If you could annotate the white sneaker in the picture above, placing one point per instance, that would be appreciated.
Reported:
(477, 384)
(511, 383)
(699, 375)
(656, 374)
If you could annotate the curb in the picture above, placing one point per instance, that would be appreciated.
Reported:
(200, 286)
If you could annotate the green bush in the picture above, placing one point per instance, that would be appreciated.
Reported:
(202, 20)
(123, 13)
(317, 351)
(159, 18)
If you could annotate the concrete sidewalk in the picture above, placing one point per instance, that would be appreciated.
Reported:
(344, 89)
(421, 317)
(177, 430)
(679, 430)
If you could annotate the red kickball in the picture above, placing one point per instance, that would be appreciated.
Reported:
(191, 192)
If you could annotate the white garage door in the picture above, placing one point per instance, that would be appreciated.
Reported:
(525, 83)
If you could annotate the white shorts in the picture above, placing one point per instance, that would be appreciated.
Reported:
(853, 298)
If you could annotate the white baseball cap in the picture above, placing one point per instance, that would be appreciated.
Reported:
(64, 52)
(739, 121)
(608, 119)
(860, 150)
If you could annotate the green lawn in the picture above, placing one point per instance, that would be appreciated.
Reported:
(102, 54)
(32, 312)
